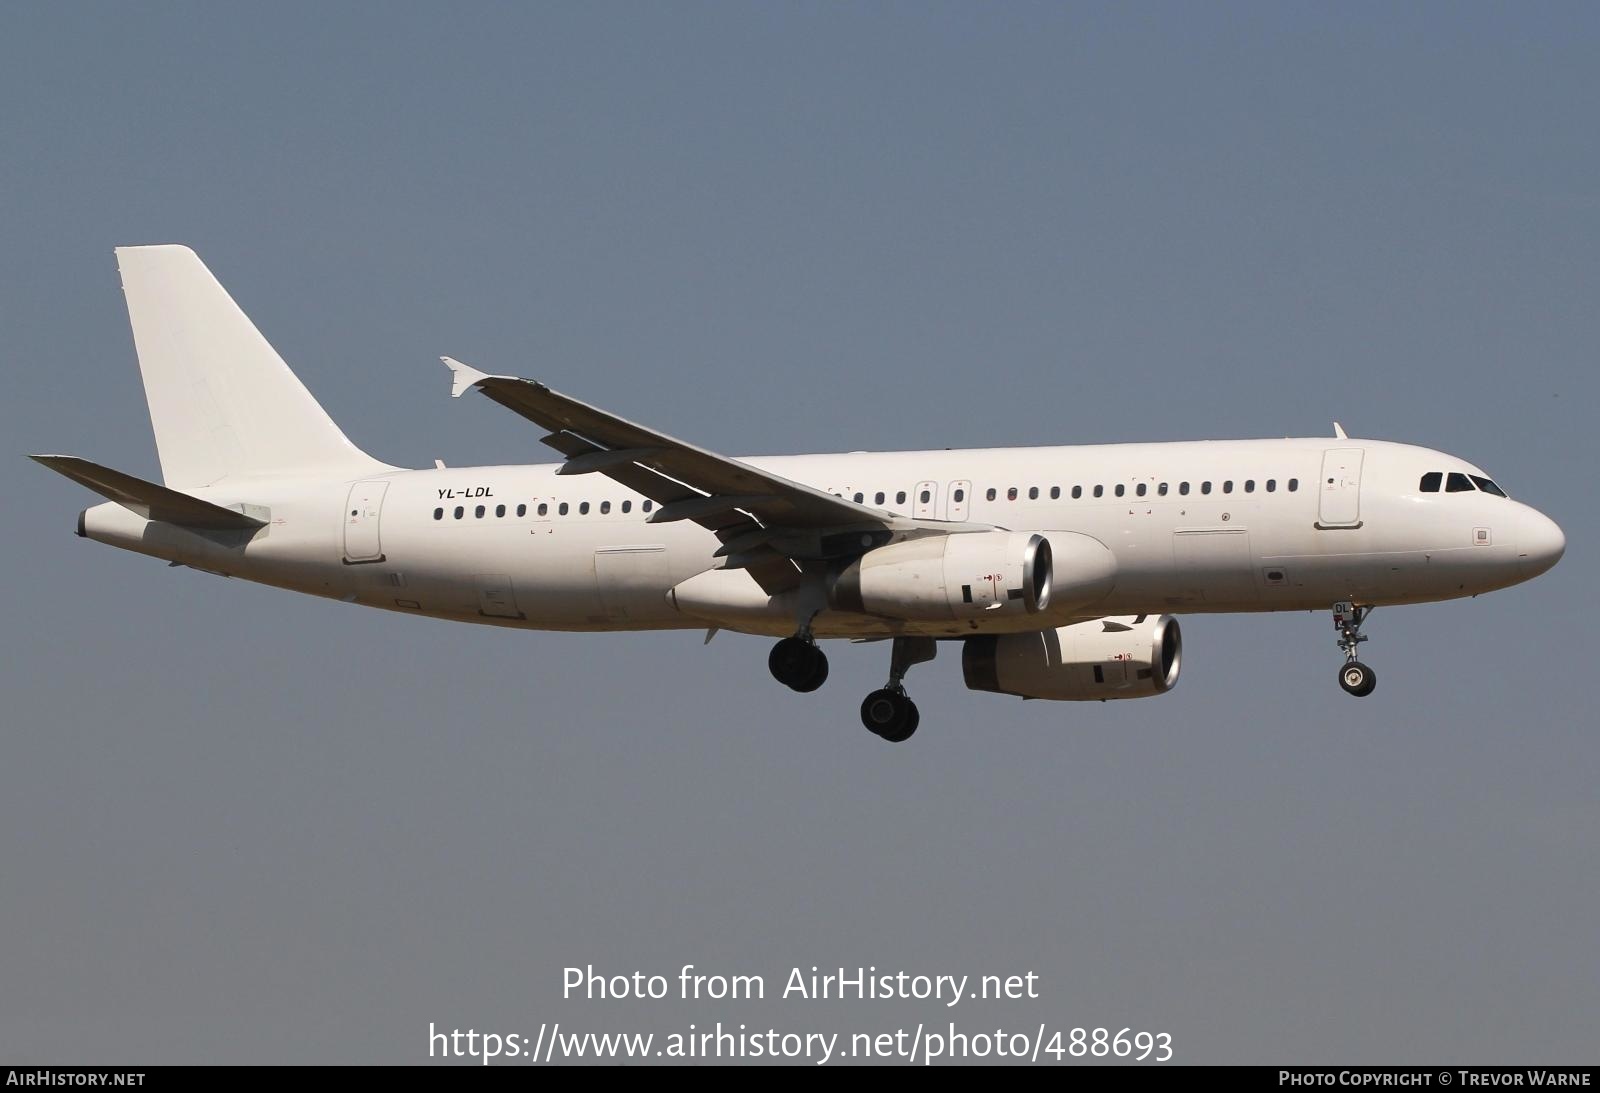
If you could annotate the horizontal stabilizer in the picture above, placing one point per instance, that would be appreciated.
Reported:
(147, 499)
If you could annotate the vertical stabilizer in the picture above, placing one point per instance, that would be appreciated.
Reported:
(222, 401)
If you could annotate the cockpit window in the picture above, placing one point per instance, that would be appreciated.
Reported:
(1431, 481)
(1458, 483)
(1487, 486)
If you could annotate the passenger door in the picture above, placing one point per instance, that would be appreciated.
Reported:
(1339, 505)
(925, 503)
(363, 508)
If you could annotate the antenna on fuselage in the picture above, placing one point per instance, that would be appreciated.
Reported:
(1338, 431)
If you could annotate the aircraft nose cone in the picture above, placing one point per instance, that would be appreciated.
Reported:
(1540, 543)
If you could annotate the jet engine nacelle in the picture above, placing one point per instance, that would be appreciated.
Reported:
(941, 577)
(1133, 656)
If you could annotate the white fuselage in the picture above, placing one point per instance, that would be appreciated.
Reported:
(1259, 525)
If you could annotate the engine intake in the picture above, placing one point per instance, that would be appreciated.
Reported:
(1131, 656)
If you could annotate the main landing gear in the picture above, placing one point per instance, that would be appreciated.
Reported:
(1356, 678)
(798, 664)
(889, 712)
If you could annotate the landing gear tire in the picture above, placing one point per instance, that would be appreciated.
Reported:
(891, 715)
(1357, 679)
(798, 664)
(818, 674)
(911, 723)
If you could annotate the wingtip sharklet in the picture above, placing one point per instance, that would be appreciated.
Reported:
(463, 377)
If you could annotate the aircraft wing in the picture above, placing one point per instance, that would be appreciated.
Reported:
(751, 510)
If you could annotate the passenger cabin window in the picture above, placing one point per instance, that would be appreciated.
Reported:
(1011, 494)
(438, 514)
(627, 506)
(927, 496)
(1272, 485)
(900, 498)
(1227, 487)
(1249, 485)
(522, 510)
(1099, 491)
(460, 512)
(1033, 493)
(1162, 489)
(605, 507)
(959, 495)
(583, 508)
(1487, 486)
(648, 505)
(877, 498)
(478, 512)
(1121, 489)
(1140, 490)
(1431, 482)
(1457, 483)
(1055, 493)
(544, 507)
(1077, 492)
(1294, 484)
(500, 510)
(1205, 487)
(1183, 488)
(563, 509)
(989, 495)
(859, 497)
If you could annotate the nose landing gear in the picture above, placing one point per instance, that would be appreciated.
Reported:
(889, 712)
(1356, 678)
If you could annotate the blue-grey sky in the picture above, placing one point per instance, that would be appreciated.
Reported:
(238, 825)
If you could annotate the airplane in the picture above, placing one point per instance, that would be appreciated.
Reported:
(1056, 569)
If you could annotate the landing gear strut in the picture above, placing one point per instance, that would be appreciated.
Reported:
(798, 664)
(889, 712)
(1356, 678)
